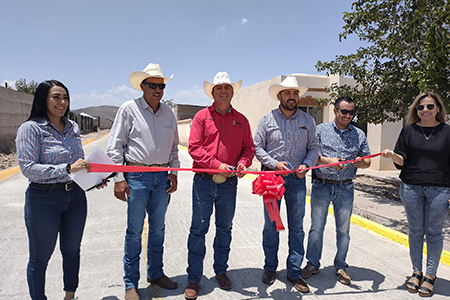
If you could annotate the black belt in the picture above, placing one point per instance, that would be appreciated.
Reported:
(68, 186)
(206, 175)
(332, 182)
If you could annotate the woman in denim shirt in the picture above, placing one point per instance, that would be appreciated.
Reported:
(421, 152)
(49, 149)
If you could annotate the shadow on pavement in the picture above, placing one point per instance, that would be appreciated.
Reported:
(324, 283)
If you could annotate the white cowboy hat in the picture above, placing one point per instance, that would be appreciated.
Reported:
(220, 78)
(151, 70)
(289, 83)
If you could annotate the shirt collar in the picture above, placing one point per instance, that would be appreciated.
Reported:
(283, 116)
(144, 105)
(349, 127)
(213, 108)
(67, 123)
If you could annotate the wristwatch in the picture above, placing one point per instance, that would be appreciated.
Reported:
(68, 168)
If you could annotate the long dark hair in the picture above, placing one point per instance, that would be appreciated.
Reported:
(39, 108)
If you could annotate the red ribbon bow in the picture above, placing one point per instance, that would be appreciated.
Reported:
(271, 187)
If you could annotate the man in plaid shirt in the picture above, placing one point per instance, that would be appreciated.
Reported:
(286, 138)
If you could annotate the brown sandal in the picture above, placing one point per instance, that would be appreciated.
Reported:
(411, 286)
(424, 291)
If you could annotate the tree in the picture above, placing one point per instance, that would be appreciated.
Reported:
(169, 103)
(23, 86)
(408, 52)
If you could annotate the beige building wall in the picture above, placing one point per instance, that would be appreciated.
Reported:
(254, 101)
(184, 128)
(382, 137)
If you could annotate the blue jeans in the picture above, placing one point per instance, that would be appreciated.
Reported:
(426, 210)
(342, 198)
(295, 204)
(50, 212)
(147, 195)
(205, 196)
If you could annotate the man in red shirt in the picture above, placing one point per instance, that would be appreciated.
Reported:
(221, 139)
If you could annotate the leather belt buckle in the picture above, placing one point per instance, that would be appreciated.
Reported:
(68, 186)
(218, 178)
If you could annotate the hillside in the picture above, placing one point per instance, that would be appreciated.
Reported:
(104, 111)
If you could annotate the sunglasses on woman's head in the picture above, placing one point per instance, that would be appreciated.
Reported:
(422, 107)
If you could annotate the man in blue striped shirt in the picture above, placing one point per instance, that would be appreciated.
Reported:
(286, 137)
(338, 141)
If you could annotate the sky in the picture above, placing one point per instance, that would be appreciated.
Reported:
(92, 46)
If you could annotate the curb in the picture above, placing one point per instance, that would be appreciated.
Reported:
(9, 172)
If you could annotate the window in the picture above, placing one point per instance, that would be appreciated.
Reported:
(317, 115)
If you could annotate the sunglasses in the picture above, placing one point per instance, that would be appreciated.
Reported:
(346, 111)
(155, 85)
(422, 107)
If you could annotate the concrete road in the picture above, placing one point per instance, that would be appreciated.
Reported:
(378, 267)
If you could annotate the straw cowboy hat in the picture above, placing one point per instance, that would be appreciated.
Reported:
(289, 83)
(151, 70)
(220, 78)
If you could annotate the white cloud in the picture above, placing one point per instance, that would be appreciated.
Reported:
(194, 97)
(118, 95)
(243, 21)
(114, 96)
(125, 91)
(222, 28)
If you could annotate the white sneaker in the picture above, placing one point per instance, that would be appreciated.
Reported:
(76, 298)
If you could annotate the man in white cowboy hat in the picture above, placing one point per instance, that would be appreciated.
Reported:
(220, 138)
(338, 141)
(286, 139)
(145, 133)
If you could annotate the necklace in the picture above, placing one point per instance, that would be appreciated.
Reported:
(427, 137)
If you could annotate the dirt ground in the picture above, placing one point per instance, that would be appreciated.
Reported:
(384, 188)
(10, 160)
(389, 190)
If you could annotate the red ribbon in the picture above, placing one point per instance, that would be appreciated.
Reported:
(271, 187)
(102, 168)
(268, 185)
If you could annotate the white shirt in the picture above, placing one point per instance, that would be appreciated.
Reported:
(141, 136)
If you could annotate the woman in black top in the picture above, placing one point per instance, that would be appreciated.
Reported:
(422, 153)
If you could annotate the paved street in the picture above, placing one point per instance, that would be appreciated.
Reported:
(378, 266)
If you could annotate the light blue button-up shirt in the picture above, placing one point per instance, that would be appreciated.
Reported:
(280, 139)
(346, 144)
(43, 152)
